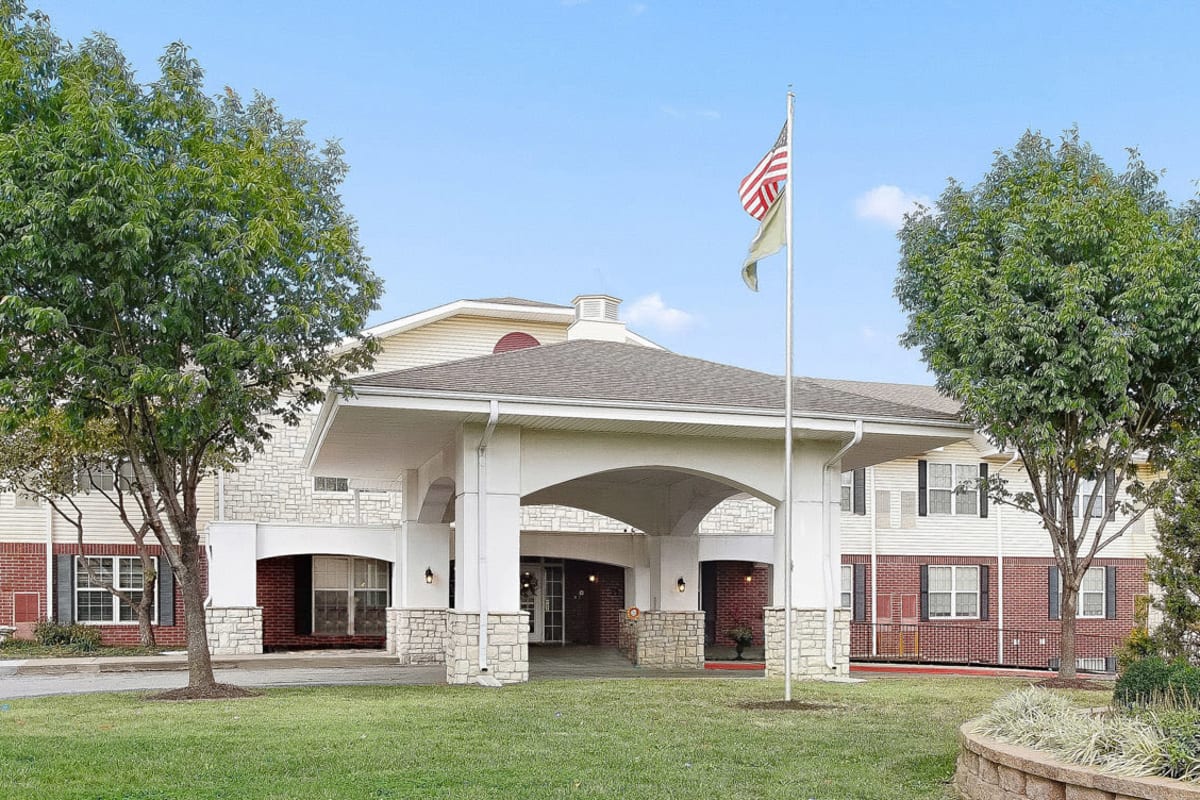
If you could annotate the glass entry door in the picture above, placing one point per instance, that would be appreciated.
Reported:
(533, 588)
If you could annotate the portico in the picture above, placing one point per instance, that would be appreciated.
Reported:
(648, 438)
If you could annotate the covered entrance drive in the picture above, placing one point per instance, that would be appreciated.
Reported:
(645, 437)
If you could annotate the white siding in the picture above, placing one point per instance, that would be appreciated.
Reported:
(457, 338)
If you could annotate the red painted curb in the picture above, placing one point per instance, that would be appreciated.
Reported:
(985, 672)
(751, 665)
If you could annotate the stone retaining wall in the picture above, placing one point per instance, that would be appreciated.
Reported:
(235, 631)
(664, 639)
(808, 642)
(992, 770)
(507, 652)
(417, 635)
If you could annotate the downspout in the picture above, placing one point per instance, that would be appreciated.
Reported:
(481, 509)
(1000, 569)
(221, 496)
(827, 542)
(874, 566)
(49, 562)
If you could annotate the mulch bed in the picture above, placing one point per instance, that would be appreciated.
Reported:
(789, 705)
(215, 691)
(1074, 683)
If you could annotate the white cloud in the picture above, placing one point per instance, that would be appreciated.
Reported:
(867, 333)
(637, 9)
(652, 312)
(887, 204)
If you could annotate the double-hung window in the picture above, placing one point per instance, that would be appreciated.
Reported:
(847, 491)
(952, 489)
(350, 596)
(1093, 592)
(95, 603)
(954, 592)
(847, 585)
(1084, 496)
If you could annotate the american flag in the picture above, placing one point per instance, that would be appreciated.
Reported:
(760, 188)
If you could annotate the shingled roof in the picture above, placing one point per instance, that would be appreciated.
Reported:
(612, 371)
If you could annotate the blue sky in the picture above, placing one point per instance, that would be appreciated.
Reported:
(547, 149)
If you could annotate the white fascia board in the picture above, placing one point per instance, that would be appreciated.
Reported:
(721, 416)
(321, 427)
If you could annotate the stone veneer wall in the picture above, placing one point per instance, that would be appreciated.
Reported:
(508, 647)
(235, 631)
(992, 770)
(417, 635)
(664, 639)
(808, 642)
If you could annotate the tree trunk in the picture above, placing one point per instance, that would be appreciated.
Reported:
(146, 604)
(191, 588)
(1066, 646)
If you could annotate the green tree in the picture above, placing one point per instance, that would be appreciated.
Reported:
(47, 460)
(1175, 568)
(178, 266)
(1059, 302)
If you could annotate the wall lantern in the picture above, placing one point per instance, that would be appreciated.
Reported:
(681, 585)
(429, 574)
(592, 578)
(749, 577)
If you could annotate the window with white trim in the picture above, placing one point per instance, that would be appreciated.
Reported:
(847, 492)
(847, 585)
(1084, 495)
(326, 483)
(952, 490)
(350, 596)
(1093, 594)
(22, 500)
(95, 603)
(954, 592)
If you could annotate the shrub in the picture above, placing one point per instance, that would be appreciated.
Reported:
(78, 637)
(1154, 681)
(1139, 644)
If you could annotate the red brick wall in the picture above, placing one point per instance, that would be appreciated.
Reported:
(740, 602)
(277, 596)
(593, 609)
(22, 569)
(1030, 635)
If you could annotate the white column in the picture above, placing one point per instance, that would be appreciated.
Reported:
(233, 570)
(501, 520)
(808, 575)
(672, 558)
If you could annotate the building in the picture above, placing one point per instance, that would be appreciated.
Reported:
(574, 483)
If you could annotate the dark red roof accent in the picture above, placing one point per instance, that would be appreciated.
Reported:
(514, 341)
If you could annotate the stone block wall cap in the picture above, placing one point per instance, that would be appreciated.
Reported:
(1033, 762)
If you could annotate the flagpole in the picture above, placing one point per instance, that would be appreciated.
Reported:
(787, 421)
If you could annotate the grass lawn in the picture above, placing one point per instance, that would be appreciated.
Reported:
(889, 738)
(22, 649)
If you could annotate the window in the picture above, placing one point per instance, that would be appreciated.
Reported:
(952, 489)
(350, 596)
(102, 478)
(847, 492)
(953, 592)
(23, 500)
(1084, 494)
(94, 603)
(847, 585)
(323, 483)
(1092, 594)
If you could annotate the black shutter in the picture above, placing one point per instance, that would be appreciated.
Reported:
(860, 592)
(1110, 592)
(983, 493)
(64, 589)
(922, 486)
(860, 491)
(924, 590)
(1053, 594)
(1110, 488)
(302, 607)
(166, 593)
(984, 591)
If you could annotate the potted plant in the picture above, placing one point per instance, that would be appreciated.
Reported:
(742, 637)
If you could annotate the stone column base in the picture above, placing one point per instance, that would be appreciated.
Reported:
(664, 639)
(417, 635)
(507, 650)
(808, 642)
(235, 631)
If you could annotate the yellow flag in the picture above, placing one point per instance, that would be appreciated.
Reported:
(767, 242)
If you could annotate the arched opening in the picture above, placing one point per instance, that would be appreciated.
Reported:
(732, 597)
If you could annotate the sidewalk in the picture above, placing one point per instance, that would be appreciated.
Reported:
(177, 661)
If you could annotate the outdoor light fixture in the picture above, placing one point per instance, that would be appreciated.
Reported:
(429, 574)
(592, 578)
(749, 577)
(681, 585)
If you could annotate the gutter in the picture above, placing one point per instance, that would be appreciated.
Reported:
(481, 558)
(827, 542)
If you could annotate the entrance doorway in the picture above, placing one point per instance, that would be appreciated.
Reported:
(533, 593)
